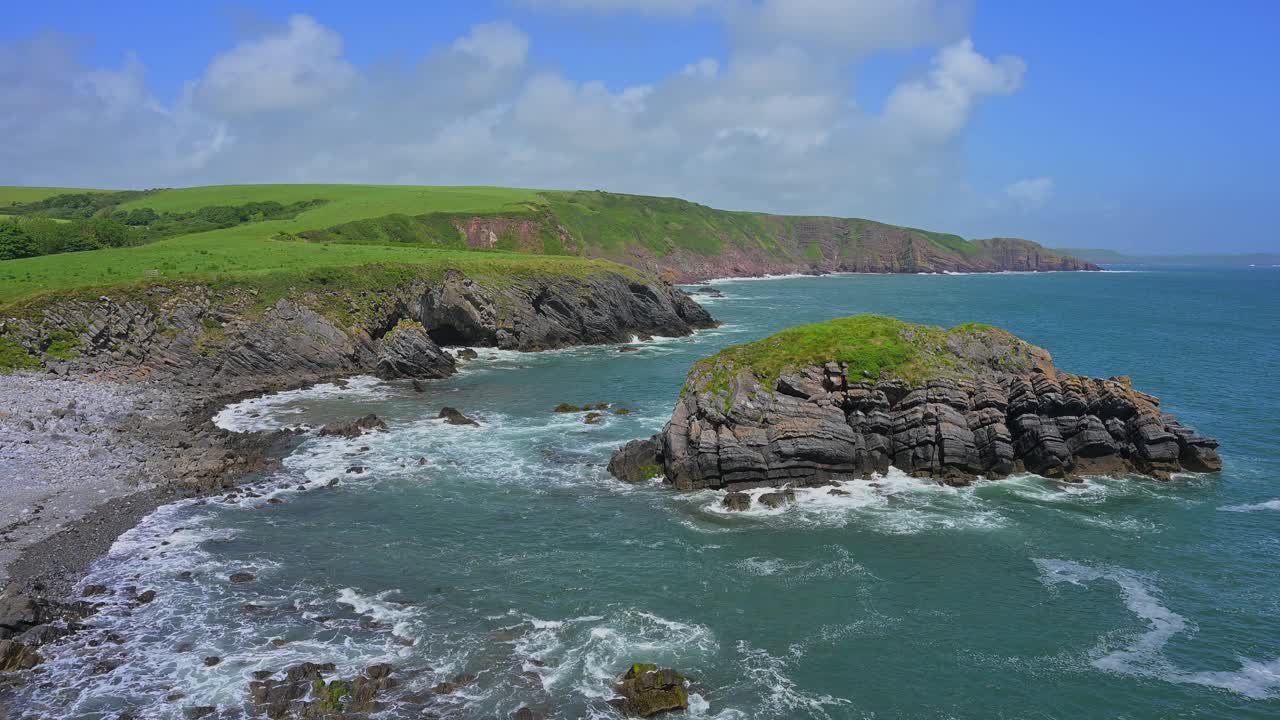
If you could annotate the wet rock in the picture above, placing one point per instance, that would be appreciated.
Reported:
(451, 686)
(44, 634)
(15, 656)
(593, 418)
(454, 417)
(773, 501)
(567, 408)
(637, 461)
(146, 597)
(467, 354)
(838, 492)
(199, 711)
(736, 501)
(278, 698)
(645, 691)
(212, 661)
(628, 349)
(525, 713)
(102, 667)
(354, 428)
(94, 591)
(242, 577)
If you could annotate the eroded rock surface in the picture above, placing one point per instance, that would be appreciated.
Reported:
(995, 406)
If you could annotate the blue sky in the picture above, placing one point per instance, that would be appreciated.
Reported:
(1121, 125)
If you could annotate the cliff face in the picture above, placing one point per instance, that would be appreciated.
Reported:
(229, 339)
(687, 242)
(951, 405)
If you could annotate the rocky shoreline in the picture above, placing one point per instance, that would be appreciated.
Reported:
(950, 405)
(120, 422)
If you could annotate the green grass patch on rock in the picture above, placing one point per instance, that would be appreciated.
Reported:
(873, 347)
(15, 357)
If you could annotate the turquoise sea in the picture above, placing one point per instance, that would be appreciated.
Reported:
(512, 555)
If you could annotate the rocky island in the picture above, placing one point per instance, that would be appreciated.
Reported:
(855, 396)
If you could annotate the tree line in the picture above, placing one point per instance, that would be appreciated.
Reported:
(73, 222)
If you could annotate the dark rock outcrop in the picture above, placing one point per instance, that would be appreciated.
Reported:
(226, 340)
(645, 691)
(455, 417)
(354, 428)
(993, 405)
(407, 351)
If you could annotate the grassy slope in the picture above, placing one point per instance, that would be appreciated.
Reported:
(602, 224)
(248, 249)
(10, 195)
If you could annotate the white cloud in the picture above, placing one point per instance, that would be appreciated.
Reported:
(295, 66)
(771, 126)
(1031, 193)
(500, 44)
(939, 105)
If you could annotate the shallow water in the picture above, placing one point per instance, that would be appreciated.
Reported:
(512, 555)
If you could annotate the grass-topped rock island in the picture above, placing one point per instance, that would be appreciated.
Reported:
(855, 396)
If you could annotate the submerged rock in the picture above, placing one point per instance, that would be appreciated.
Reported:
(454, 417)
(354, 428)
(852, 397)
(454, 685)
(645, 691)
(15, 656)
(736, 501)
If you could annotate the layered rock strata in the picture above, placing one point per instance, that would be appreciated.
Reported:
(231, 341)
(990, 406)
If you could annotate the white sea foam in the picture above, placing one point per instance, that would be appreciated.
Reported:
(271, 412)
(781, 697)
(583, 654)
(1255, 507)
(1144, 655)
(893, 503)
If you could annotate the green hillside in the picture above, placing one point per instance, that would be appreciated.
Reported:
(162, 235)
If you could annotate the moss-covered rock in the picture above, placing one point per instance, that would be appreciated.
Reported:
(645, 691)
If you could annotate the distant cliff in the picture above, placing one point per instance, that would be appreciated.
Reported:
(684, 241)
(847, 398)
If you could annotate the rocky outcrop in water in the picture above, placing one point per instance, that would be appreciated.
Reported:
(231, 339)
(959, 404)
(645, 691)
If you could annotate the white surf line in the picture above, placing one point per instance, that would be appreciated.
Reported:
(1255, 507)
(1145, 657)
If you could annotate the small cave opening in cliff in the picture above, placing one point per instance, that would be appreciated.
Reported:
(448, 336)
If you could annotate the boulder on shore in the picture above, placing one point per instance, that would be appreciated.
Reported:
(851, 397)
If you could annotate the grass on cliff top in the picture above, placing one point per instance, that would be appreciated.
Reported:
(882, 347)
(249, 250)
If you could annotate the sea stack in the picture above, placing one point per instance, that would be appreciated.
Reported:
(851, 397)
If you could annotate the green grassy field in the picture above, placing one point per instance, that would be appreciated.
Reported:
(248, 249)
(362, 224)
(10, 195)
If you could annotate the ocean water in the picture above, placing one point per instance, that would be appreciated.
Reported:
(510, 553)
